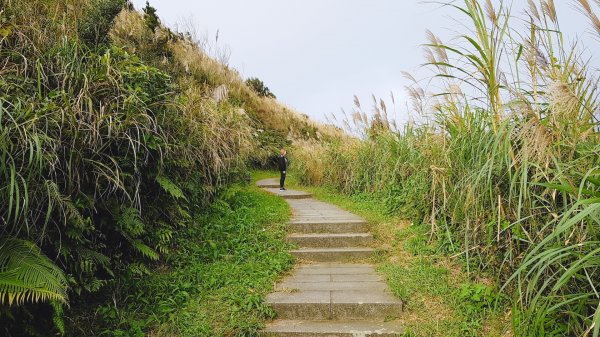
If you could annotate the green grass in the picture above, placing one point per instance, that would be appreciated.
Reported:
(441, 299)
(212, 284)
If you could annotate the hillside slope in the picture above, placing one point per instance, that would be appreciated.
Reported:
(116, 134)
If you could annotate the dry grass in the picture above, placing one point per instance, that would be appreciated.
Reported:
(188, 58)
(428, 311)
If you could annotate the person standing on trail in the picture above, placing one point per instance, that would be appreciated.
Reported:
(282, 162)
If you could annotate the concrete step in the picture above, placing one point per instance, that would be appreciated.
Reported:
(318, 305)
(338, 254)
(333, 272)
(296, 195)
(331, 240)
(289, 194)
(285, 328)
(337, 271)
(327, 226)
(268, 183)
(309, 286)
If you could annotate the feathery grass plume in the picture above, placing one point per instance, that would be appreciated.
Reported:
(436, 44)
(489, 28)
(586, 8)
(308, 157)
(491, 12)
(550, 10)
(533, 9)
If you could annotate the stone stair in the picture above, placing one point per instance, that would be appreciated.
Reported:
(333, 328)
(315, 240)
(331, 227)
(333, 254)
(289, 194)
(333, 291)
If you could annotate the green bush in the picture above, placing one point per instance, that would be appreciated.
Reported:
(152, 20)
(228, 258)
(97, 22)
(407, 198)
(104, 158)
(259, 87)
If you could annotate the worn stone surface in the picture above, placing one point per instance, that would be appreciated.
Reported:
(315, 305)
(341, 268)
(335, 254)
(335, 270)
(366, 303)
(268, 183)
(289, 194)
(332, 227)
(371, 302)
(329, 286)
(356, 278)
(314, 240)
(329, 293)
(288, 328)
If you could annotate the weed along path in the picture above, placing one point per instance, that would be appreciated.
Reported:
(333, 291)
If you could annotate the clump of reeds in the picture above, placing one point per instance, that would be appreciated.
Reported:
(505, 167)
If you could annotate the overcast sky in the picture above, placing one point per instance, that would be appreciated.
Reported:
(316, 54)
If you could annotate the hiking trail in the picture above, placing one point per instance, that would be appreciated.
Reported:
(333, 290)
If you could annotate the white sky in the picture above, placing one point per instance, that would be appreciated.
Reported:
(316, 54)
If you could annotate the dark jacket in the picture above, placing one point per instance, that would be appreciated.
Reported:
(282, 162)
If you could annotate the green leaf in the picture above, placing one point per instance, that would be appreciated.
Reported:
(170, 187)
(28, 276)
(594, 180)
(145, 250)
(520, 52)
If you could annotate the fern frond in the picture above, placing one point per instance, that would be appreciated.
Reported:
(145, 250)
(58, 316)
(97, 258)
(130, 222)
(94, 285)
(28, 276)
(64, 203)
(170, 187)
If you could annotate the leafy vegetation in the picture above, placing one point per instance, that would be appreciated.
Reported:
(152, 20)
(27, 275)
(504, 170)
(97, 22)
(111, 149)
(212, 283)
